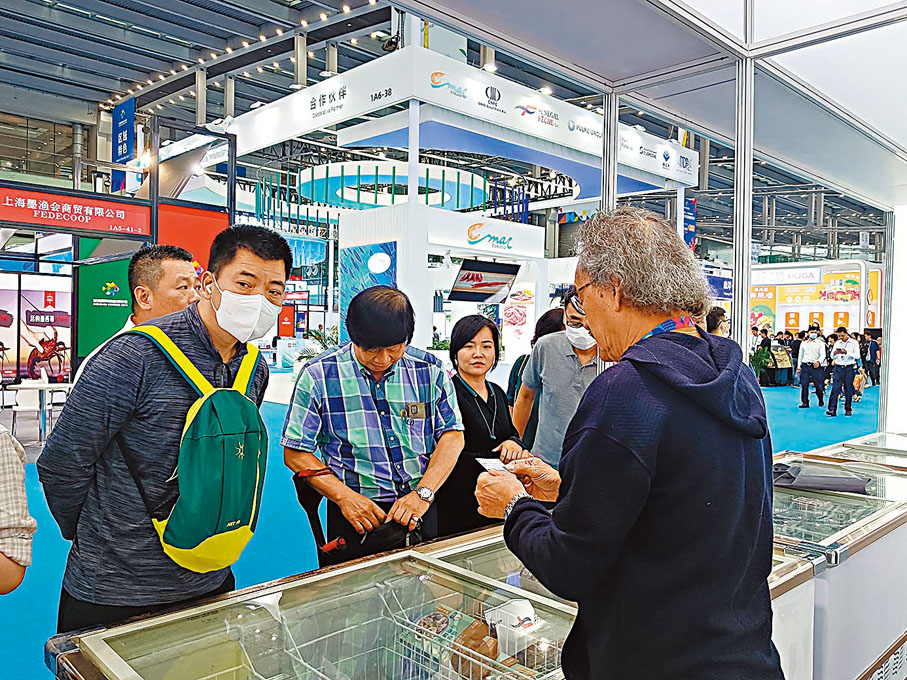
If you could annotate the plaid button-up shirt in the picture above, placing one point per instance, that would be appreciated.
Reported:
(377, 437)
(16, 525)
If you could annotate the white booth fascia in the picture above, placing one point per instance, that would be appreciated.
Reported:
(420, 230)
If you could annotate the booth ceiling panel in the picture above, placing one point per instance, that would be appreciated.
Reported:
(774, 18)
(616, 40)
(728, 14)
(864, 73)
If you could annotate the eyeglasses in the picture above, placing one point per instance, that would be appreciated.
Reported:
(577, 305)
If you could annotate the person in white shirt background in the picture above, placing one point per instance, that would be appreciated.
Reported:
(811, 366)
(844, 356)
(162, 280)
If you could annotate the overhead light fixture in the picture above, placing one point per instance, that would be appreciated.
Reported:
(490, 67)
(295, 86)
(167, 142)
(640, 113)
(110, 101)
(214, 55)
(192, 92)
(545, 90)
(279, 31)
(259, 69)
(589, 106)
(245, 43)
(159, 106)
(354, 41)
(173, 72)
(327, 74)
(149, 81)
(216, 84)
(324, 17)
(185, 68)
(552, 174)
(373, 2)
(304, 23)
(346, 9)
(256, 104)
(292, 60)
(374, 35)
(247, 74)
(172, 101)
(262, 37)
(182, 98)
(311, 55)
(129, 91)
(382, 155)
(228, 49)
(138, 86)
(201, 61)
(161, 76)
(119, 96)
(599, 110)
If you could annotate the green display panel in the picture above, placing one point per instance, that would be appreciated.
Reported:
(104, 303)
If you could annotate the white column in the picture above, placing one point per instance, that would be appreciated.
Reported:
(893, 399)
(611, 135)
(201, 102)
(743, 201)
(680, 211)
(412, 189)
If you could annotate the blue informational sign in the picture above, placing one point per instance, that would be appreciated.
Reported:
(722, 287)
(689, 222)
(123, 140)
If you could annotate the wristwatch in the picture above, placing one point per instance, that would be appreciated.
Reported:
(425, 494)
(513, 501)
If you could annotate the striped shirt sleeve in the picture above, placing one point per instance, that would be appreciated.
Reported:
(16, 525)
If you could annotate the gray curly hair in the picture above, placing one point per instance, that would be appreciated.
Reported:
(643, 253)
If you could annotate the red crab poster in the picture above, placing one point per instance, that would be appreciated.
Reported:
(45, 327)
(9, 327)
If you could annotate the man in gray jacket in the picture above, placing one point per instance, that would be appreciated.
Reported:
(131, 405)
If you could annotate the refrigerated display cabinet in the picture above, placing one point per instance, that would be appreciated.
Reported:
(790, 582)
(401, 616)
(860, 450)
(861, 599)
(883, 481)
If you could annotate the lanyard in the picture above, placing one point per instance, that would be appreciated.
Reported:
(681, 324)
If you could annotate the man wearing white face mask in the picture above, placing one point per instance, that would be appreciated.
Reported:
(562, 365)
(114, 450)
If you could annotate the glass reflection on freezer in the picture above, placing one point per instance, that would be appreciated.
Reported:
(401, 619)
(886, 457)
(881, 440)
(883, 482)
(816, 517)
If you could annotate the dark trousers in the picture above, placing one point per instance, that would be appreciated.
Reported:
(78, 615)
(843, 382)
(338, 527)
(873, 370)
(814, 376)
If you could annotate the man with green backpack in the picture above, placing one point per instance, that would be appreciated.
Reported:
(155, 468)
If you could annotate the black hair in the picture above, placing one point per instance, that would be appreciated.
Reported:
(145, 266)
(466, 329)
(754, 328)
(764, 331)
(714, 318)
(801, 335)
(264, 243)
(380, 316)
(569, 295)
(841, 329)
(786, 333)
(551, 321)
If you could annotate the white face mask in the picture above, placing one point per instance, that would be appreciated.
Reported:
(813, 336)
(580, 338)
(245, 317)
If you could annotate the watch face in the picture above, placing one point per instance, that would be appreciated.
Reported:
(424, 494)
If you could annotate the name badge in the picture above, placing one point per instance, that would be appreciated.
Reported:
(414, 410)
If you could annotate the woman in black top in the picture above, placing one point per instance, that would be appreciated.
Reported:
(489, 431)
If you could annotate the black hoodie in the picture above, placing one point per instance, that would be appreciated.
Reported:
(663, 529)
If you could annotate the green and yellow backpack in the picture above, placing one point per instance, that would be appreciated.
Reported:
(220, 469)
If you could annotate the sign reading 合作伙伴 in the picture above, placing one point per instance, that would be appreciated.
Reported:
(43, 209)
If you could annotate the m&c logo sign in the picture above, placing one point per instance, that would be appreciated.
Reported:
(475, 236)
(439, 80)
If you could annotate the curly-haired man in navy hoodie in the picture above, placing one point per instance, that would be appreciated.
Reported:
(662, 529)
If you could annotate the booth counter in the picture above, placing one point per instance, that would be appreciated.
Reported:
(433, 611)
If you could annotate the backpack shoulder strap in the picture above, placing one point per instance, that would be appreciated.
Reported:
(176, 356)
(243, 380)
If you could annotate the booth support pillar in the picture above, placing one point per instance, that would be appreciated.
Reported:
(743, 201)
(229, 96)
(611, 136)
(893, 395)
(680, 211)
(703, 164)
(201, 99)
(329, 293)
(301, 65)
(77, 145)
(412, 187)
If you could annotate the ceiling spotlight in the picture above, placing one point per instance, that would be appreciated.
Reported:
(161, 76)
(228, 49)
(214, 55)
(640, 113)
(216, 84)
(129, 91)
(382, 155)
(311, 55)
(304, 23)
(262, 38)
(245, 43)
(643, 129)
(373, 2)
(279, 31)
(292, 60)
(296, 86)
(373, 35)
(110, 101)
(275, 65)
(490, 67)
(545, 90)
(346, 9)
(192, 92)
(182, 98)
(246, 74)
(201, 61)
(256, 104)
(589, 106)
(172, 72)
(324, 17)
(138, 86)
(159, 106)
(119, 96)
(172, 101)
(552, 174)
(185, 68)
(354, 41)
(259, 69)
(599, 110)
(149, 81)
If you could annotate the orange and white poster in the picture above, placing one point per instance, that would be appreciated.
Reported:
(874, 299)
(792, 321)
(817, 317)
(842, 319)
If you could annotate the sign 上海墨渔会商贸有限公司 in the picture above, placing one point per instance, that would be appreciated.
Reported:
(42, 209)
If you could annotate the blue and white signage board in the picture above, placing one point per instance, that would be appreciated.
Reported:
(123, 140)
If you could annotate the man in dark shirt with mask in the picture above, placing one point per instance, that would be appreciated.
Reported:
(132, 394)
(562, 365)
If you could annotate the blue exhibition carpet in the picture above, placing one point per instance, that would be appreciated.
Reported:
(283, 543)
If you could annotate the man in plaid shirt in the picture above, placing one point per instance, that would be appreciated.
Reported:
(383, 418)
(16, 525)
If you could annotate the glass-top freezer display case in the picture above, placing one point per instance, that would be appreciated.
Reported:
(398, 617)
(880, 481)
(859, 450)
